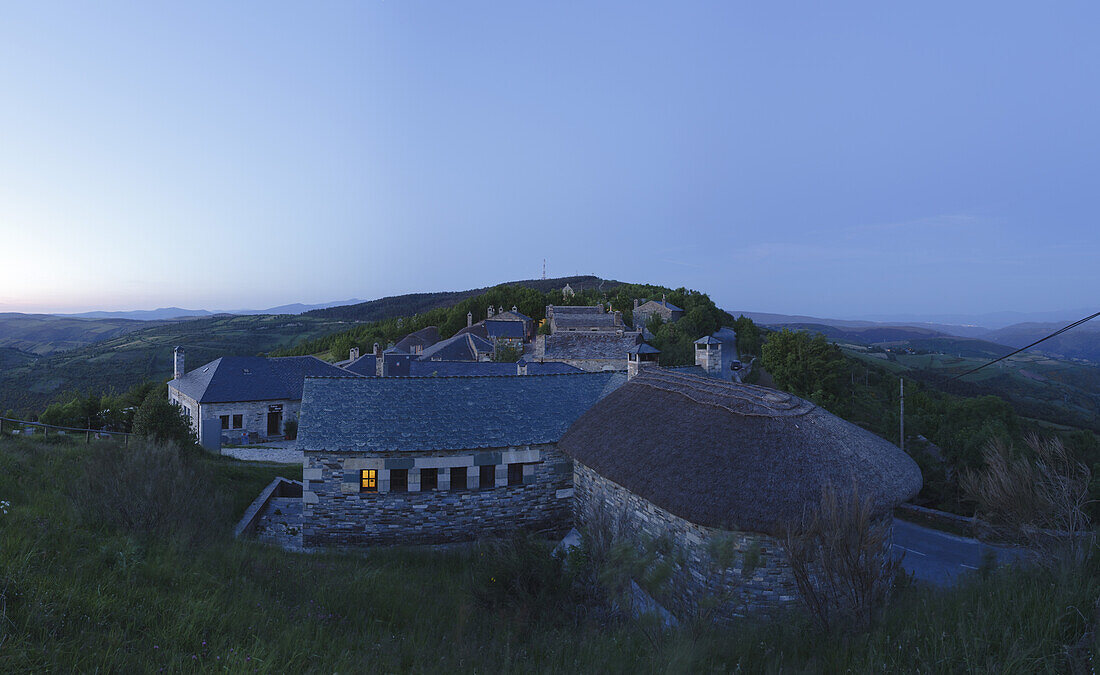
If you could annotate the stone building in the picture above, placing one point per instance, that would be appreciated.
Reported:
(595, 351)
(236, 398)
(428, 460)
(717, 355)
(645, 311)
(565, 318)
(416, 342)
(718, 470)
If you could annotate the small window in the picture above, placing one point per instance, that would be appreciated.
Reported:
(238, 421)
(399, 480)
(515, 474)
(488, 477)
(368, 480)
(429, 479)
(225, 421)
(458, 478)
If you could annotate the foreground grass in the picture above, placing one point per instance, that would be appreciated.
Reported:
(80, 596)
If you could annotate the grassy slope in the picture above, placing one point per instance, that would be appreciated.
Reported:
(43, 334)
(81, 598)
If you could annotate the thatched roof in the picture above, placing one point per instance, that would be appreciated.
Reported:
(733, 456)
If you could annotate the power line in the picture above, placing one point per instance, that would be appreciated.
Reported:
(1055, 333)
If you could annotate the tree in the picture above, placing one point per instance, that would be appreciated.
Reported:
(806, 366)
(748, 336)
(160, 420)
(506, 352)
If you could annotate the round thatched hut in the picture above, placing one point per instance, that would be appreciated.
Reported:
(719, 470)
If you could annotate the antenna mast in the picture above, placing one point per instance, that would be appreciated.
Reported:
(544, 268)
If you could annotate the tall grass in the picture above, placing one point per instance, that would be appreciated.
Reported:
(80, 596)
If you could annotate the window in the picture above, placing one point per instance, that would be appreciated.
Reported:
(368, 480)
(458, 478)
(238, 421)
(515, 474)
(429, 479)
(225, 421)
(399, 480)
(488, 477)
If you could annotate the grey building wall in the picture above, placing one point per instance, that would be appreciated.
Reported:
(758, 581)
(335, 512)
(254, 414)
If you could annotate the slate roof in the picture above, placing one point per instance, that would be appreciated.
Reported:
(398, 414)
(733, 456)
(643, 348)
(252, 378)
(425, 337)
(582, 345)
(461, 347)
(549, 368)
(364, 365)
(504, 329)
(511, 315)
(477, 329)
(599, 320)
(661, 303)
(460, 368)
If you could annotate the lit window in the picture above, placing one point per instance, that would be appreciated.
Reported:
(368, 480)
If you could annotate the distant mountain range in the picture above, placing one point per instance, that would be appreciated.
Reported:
(179, 313)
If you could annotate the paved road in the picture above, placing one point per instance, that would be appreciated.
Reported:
(941, 558)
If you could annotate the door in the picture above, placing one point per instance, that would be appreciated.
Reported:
(274, 424)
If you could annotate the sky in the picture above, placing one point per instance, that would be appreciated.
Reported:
(832, 159)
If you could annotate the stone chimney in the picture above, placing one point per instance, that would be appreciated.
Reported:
(489, 312)
(514, 309)
(600, 306)
(664, 298)
(635, 303)
(353, 353)
(377, 350)
(177, 363)
(469, 319)
(619, 320)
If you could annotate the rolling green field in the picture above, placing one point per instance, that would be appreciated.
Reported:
(84, 592)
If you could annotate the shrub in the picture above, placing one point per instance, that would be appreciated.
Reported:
(147, 490)
(161, 421)
(841, 561)
(290, 429)
(520, 575)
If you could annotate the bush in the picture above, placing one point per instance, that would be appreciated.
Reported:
(161, 421)
(148, 490)
(519, 575)
(290, 429)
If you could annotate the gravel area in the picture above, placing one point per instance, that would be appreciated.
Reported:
(282, 453)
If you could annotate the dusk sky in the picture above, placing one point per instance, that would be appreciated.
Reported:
(834, 159)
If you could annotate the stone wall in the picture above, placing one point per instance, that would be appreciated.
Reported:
(254, 414)
(337, 513)
(757, 581)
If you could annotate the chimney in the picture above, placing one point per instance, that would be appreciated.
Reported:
(353, 353)
(177, 363)
(664, 298)
(489, 312)
(619, 320)
(500, 309)
(635, 303)
(469, 319)
(600, 306)
(377, 350)
(514, 309)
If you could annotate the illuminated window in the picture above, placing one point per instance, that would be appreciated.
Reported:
(368, 480)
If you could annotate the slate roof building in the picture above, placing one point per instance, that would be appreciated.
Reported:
(708, 464)
(417, 342)
(595, 351)
(460, 347)
(238, 397)
(645, 311)
(477, 456)
(563, 318)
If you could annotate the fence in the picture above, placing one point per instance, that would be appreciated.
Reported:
(23, 426)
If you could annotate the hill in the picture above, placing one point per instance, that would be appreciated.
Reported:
(45, 334)
(1082, 342)
(418, 303)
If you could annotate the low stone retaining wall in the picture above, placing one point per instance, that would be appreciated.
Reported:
(280, 487)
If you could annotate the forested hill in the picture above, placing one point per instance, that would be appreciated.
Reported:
(419, 303)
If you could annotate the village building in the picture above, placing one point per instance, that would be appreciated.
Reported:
(242, 398)
(416, 342)
(708, 466)
(595, 351)
(565, 318)
(646, 310)
(717, 355)
(460, 347)
(428, 460)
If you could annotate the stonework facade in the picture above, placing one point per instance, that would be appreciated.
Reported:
(255, 419)
(531, 490)
(756, 578)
